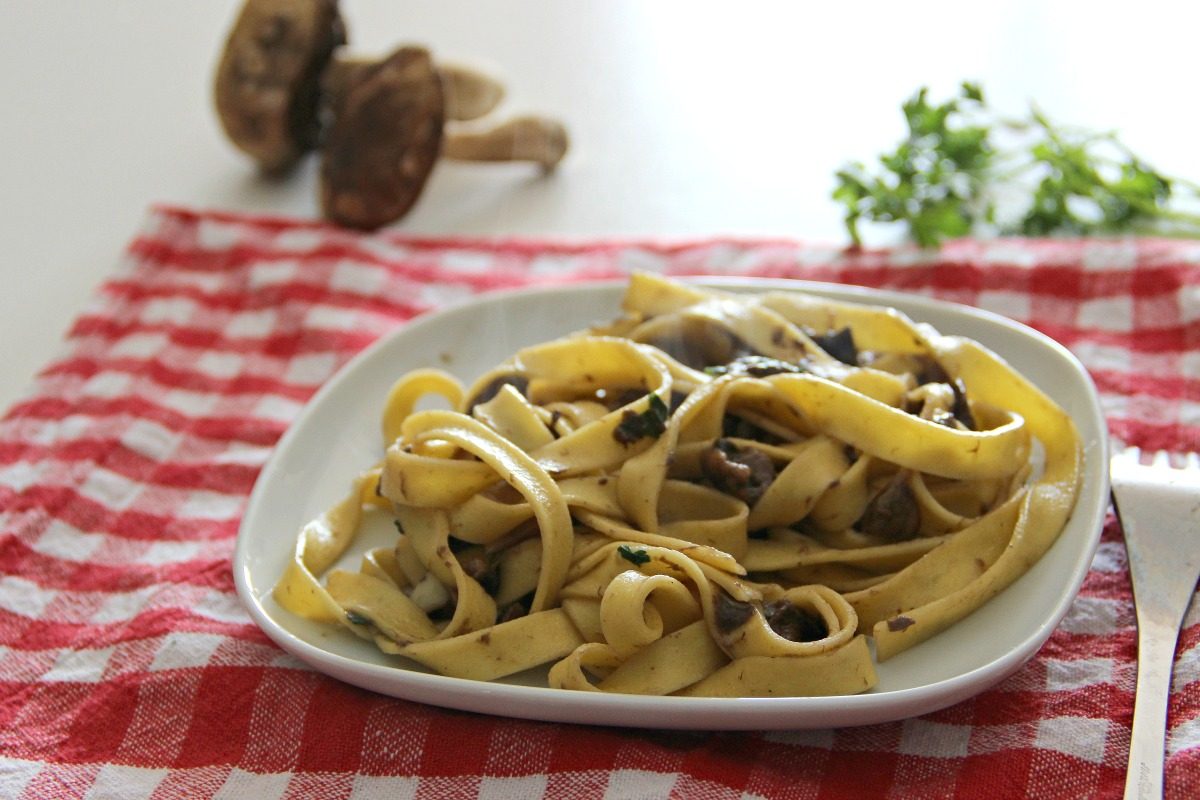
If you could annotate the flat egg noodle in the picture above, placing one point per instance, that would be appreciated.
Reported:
(634, 572)
(965, 556)
(876, 328)
(320, 543)
(587, 364)
(1045, 507)
(500, 650)
(390, 611)
(428, 532)
(662, 667)
(517, 469)
(516, 419)
(786, 549)
(813, 468)
(903, 439)
(846, 670)
(634, 631)
(411, 388)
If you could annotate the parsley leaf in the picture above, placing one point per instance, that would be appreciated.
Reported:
(651, 422)
(636, 557)
(943, 178)
(933, 181)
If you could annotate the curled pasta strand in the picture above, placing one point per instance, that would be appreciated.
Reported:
(1044, 507)
(320, 543)
(637, 609)
(756, 636)
(571, 672)
(715, 495)
(428, 531)
(406, 392)
(521, 472)
(911, 442)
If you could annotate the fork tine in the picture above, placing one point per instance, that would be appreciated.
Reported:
(1157, 459)
(1124, 452)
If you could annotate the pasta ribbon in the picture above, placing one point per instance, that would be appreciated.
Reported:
(893, 435)
(521, 472)
(319, 545)
(714, 495)
(407, 392)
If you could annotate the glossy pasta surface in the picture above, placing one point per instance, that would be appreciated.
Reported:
(713, 495)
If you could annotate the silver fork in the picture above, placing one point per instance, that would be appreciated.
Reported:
(1159, 507)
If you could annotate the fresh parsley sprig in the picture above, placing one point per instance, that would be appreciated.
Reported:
(944, 179)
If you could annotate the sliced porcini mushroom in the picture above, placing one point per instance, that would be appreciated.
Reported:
(387, 130)
(893, 514)
(267, 84)
(384, 140)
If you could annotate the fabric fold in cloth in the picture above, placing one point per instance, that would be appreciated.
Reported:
(128, 667)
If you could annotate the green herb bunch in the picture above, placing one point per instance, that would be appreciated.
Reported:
(945, 178)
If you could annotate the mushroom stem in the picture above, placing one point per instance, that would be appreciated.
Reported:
(468, 93)
(536, 139)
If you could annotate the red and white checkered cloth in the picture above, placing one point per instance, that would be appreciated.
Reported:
(129, 669)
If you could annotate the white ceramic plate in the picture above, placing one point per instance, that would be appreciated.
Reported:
(337, 436)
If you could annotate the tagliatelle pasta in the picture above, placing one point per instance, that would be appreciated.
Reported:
(713, 495)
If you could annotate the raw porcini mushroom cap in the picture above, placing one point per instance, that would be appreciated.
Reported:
(385, 138)
(387, 132)
(267, 83)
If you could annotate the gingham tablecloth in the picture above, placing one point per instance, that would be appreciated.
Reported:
(128, 668)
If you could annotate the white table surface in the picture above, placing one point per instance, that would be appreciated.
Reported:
(688, 118)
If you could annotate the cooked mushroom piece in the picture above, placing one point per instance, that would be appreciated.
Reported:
(388, 130)
(794, 624)
(893, 514)
(268, 79)
(742, 472)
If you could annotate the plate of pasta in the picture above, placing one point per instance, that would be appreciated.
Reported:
(704, 503)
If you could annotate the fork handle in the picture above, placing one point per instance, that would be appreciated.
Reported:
(1156, 657)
